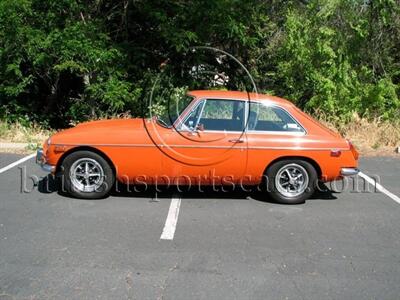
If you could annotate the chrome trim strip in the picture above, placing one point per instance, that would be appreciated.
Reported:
(349, 171)
(203, 147)
(294, 148)
(289, 133)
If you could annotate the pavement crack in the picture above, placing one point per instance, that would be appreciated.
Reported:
(164, 284)
(129, 285)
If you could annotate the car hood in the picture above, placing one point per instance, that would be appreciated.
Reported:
(99, 132)
(110, 124)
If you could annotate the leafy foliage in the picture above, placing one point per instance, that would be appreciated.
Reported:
(328, 64)
(70, 60)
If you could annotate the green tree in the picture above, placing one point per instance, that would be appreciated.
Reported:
(66, 61)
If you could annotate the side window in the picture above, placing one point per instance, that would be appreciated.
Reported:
(222, 115)
(263, 117)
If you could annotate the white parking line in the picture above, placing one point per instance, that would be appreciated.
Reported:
(2, 170)
(172, 219)
(379, 187)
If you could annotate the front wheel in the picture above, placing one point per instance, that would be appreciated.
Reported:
(291, 181)
(87, 175)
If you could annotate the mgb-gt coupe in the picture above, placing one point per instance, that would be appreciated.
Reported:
(208, 138)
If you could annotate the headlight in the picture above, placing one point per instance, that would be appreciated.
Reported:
(49, 141)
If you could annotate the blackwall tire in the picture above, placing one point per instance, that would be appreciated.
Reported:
(291, 181)
(86, 175)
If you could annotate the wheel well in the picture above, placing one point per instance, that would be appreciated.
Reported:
(84, 148)
(307, 159)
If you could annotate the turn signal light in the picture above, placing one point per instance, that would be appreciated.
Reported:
(59, 148)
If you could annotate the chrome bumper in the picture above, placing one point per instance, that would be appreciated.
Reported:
(40, 160)
(349, 171)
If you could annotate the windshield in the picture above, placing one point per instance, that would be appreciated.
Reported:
(173, 110)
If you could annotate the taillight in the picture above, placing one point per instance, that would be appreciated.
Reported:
(353, 150)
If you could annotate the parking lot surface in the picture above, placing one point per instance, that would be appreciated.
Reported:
(338, 245)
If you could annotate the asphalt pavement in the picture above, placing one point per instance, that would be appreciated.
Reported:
(342, 244)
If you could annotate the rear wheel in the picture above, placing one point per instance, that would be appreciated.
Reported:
(87, 175)
(291, 181)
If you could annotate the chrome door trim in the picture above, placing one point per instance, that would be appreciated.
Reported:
(197, 146)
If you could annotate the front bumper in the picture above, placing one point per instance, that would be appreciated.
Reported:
(349, 171)
(41, 160)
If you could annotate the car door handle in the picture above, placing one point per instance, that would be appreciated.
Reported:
(236, 141)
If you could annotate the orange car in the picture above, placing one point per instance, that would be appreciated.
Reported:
(208, 138)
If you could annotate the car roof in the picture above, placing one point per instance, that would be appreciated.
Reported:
(238, 95)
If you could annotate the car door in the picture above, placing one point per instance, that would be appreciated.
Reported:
(209, 145)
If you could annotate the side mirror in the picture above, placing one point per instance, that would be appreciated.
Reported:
(200, 127)
(198, 130)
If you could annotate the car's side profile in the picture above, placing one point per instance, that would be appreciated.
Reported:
(209, 138)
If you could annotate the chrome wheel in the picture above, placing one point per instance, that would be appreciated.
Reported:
(86, 175)
(291, 180)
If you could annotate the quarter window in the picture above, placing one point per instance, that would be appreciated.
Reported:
(264, 117)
